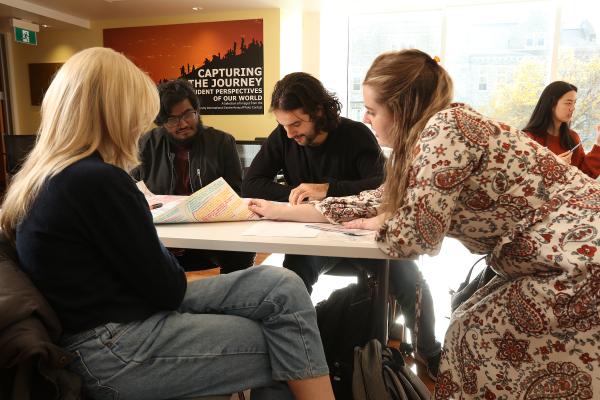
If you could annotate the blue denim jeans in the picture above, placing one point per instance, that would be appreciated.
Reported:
(249, 329)
(403, 278)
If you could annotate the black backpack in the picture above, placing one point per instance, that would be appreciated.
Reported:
(345, 321)
(468, 287)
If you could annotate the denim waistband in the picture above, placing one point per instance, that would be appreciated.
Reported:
(74, 339)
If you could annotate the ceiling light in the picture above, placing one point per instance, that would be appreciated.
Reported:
(197, 8)
(46, 26)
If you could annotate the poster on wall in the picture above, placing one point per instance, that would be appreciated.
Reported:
(222, 60)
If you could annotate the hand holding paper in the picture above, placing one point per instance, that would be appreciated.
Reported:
(213, 203)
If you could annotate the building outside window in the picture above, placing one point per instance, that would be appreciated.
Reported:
(578, 62)
(484, 39)
(371, 35)
(500, 55)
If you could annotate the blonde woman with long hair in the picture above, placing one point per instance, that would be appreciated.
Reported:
(84, 235)
(531, 332)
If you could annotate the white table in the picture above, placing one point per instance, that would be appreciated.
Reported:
(228, 236)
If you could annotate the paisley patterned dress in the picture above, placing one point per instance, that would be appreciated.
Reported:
(533, 332)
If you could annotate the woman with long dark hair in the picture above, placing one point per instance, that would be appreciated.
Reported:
(549, 125)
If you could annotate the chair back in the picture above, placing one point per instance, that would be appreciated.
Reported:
(247, 150)
(16, 149)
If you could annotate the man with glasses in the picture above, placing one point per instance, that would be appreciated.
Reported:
(181, 156)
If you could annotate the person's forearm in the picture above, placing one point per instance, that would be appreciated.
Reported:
(300, 213)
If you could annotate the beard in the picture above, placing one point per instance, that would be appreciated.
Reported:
(310, 138)
(183, 142)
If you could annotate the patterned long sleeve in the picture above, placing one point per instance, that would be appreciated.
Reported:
(589, 163)
(340, 209)
(446, 157)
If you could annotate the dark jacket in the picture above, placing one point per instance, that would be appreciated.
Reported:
(31, 365)
(213, 155)
(349, 159)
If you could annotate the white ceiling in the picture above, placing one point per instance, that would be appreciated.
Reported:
(67, 13)
(109, 9)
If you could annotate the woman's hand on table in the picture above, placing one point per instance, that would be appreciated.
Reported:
(372, 224)
(266, 209)
(284, 212)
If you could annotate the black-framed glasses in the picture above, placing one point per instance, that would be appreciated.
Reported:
(189, 116)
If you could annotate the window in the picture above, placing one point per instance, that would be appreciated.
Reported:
(371, 35)
(356, 83)
(500, 56)
(482, 83)
(356, 111)
(578, 62)
(483, 40)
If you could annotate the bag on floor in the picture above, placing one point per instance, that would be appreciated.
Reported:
(381, 374)
(345, 321)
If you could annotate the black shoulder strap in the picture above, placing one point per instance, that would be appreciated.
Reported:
(468, 278)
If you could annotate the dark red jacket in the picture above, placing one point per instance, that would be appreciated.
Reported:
(589, 163)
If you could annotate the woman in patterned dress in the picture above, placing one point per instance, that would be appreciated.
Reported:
(533, 331)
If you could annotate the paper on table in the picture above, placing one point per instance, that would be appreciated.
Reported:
(339, 229)
(215, 202)
(280, 229)
(165, 200)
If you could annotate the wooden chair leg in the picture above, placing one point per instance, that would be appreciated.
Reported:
(201, 274)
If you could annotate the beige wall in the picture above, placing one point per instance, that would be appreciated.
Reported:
(57, 46)
(311, 39)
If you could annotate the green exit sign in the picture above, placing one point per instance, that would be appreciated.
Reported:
(25, 36)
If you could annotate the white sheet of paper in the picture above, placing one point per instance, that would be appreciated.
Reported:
(280, 229)
(339, 229)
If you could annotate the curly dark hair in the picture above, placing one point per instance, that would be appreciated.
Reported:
(173, 92)
(302, 90)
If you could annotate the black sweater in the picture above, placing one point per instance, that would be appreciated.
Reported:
(89, 245)
(350, 160)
